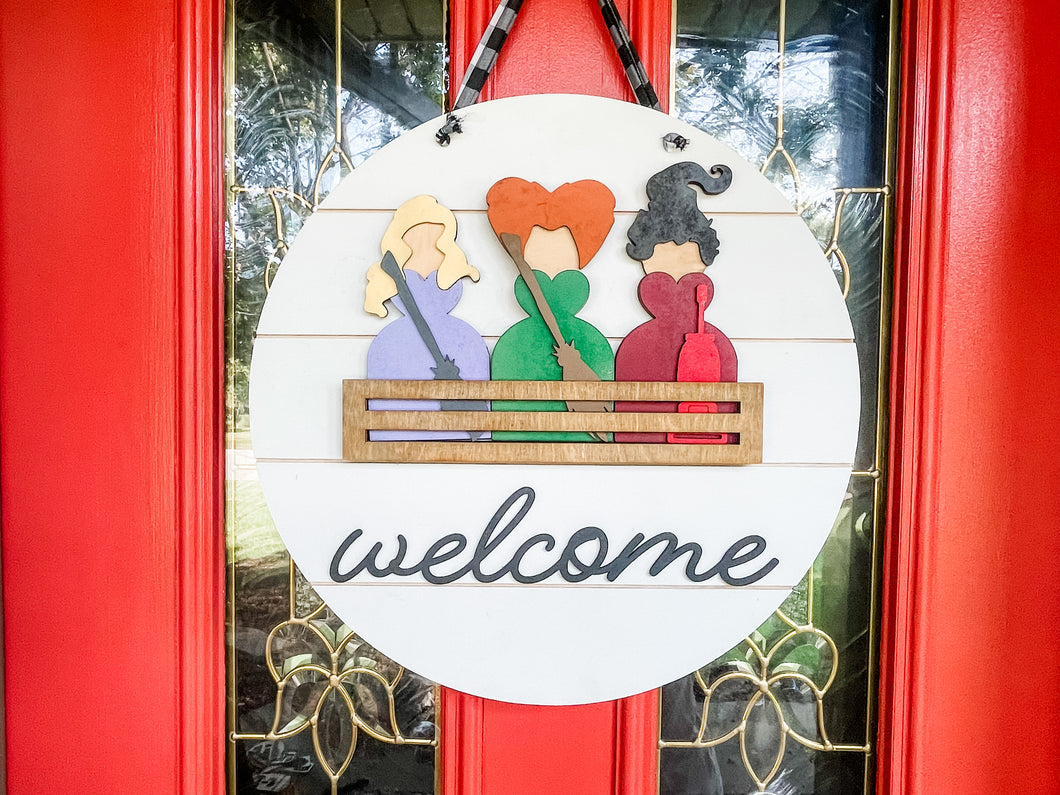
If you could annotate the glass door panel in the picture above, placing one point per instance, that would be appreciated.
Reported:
(314, 89)
(804, 89)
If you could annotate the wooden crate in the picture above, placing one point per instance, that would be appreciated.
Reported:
(358, 420)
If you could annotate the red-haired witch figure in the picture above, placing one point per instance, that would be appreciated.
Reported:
(551, 236)
(675, 242)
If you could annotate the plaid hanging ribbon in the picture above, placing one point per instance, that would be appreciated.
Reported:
(500, 26)
(627, 53)
(489, 48)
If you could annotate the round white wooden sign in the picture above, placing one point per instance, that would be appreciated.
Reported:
(573, 583)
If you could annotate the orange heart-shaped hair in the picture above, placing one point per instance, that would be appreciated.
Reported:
(586, 208)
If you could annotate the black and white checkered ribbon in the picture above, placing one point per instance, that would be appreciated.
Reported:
(489, 47)
(501, 25)
(627, 53)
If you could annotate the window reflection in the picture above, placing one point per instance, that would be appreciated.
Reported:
(798, 87)
(306, 106)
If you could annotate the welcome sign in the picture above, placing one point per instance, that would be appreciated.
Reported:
(553, 414)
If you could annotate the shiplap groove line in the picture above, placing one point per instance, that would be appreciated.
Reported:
(553, 586)
(764, 464)
(482, 211)
(495, 337)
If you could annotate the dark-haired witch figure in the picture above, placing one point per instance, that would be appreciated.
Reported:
(675, 242)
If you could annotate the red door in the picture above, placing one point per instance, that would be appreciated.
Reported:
(561, 46)
(110, 420)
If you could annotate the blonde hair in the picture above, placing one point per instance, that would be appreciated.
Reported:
(417, 210)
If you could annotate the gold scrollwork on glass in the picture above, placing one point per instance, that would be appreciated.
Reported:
(327, 683)
(331, 683)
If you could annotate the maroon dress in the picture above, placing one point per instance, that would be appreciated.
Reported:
(650, 352)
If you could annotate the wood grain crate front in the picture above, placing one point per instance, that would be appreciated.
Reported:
(359, 420)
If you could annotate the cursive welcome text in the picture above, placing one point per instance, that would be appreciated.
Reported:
(584, 555)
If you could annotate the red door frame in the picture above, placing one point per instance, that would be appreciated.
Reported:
(110, 372)
(971, 583)
(111, 412)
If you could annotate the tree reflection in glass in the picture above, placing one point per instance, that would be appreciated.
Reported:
(313, 707)
(798, 87)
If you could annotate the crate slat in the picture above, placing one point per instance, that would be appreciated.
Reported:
(358, 420)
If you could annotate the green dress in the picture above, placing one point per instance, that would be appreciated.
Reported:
(525, 351)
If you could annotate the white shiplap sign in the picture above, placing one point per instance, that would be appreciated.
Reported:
(600, 612)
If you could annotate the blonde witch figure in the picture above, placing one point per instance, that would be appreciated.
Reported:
(420, 273)
(422, 238)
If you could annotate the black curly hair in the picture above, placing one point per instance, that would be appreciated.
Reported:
(673, 214)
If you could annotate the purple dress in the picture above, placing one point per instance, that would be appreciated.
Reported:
(398, 352)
